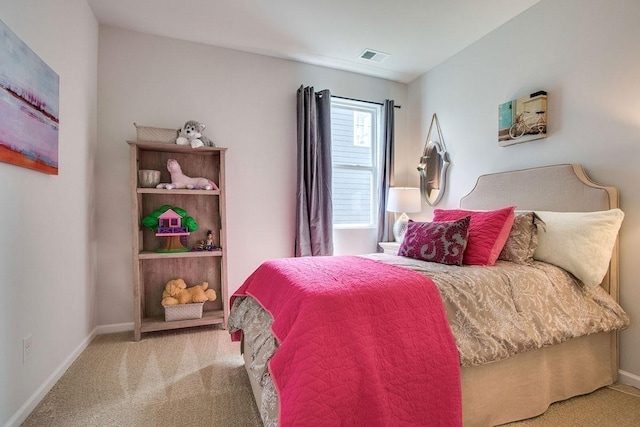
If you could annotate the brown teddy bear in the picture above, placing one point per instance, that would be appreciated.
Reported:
(176, 292)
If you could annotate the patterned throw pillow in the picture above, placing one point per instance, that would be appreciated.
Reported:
(488, 232)
(442, 242)
(523, 239)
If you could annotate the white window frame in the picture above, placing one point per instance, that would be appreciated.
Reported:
(376, 154)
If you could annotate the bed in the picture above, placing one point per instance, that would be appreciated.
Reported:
(517, 383)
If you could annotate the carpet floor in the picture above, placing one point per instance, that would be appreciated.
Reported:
(196, 378)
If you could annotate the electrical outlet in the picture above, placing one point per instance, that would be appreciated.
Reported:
(26, 348)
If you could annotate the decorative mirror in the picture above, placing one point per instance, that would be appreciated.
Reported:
(433, 166)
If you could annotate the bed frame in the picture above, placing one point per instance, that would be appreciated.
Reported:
(524, 385)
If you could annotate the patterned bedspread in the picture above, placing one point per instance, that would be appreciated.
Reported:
(496, 312)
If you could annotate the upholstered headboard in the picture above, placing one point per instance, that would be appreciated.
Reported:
(561, 188)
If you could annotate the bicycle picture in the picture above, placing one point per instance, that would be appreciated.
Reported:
(523, 119)
(528, 124)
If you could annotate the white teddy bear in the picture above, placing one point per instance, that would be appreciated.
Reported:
(191, 134)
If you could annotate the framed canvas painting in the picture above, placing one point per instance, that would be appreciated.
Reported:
(29, 92)
(523, 119)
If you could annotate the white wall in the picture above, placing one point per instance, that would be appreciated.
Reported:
(248, 103)
(585, 54)
(47, 255)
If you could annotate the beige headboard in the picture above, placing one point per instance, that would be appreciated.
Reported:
(561, 188)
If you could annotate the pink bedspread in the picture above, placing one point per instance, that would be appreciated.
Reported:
(360, 343)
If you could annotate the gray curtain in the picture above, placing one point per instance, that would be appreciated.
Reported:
(386, 173)
(314, 210)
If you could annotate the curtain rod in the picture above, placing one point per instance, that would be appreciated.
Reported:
(362, 100)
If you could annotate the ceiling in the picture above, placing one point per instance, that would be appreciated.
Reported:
(417, 34)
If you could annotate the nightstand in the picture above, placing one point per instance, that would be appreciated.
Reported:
(390, 248)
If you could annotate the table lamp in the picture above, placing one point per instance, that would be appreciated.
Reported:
(403, 200)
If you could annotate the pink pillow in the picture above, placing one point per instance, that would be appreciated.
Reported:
(442, 242)
(488, 232)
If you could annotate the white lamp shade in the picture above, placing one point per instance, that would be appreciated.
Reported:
(404, 199)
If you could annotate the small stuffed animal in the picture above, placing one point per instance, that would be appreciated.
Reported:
(176, 292)
(191, 134)
(180, 180)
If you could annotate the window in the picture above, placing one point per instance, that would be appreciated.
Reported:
(355, 130)
(362, 129)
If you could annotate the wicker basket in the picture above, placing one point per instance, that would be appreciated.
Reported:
(183, 311)
(147, 133)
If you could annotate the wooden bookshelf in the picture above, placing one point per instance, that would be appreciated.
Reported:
(152, 269)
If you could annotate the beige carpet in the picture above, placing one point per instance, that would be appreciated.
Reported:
(616, 406)
(196, 378)
(188, 378)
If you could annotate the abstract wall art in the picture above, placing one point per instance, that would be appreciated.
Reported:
(29, 91)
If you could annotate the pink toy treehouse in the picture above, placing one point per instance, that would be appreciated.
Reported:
(170, 226)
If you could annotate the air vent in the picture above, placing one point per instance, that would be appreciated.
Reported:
(373, 56)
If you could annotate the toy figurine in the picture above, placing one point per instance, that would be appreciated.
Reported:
(206, 245)
(209, 245)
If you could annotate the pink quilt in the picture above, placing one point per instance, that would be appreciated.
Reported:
(360, 343)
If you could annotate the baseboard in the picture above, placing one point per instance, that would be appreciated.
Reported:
(21, 414)
(114, 328)
(628, 378)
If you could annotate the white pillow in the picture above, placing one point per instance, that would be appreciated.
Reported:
(579, 242)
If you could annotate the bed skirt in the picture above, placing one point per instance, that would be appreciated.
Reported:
(523, 386)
